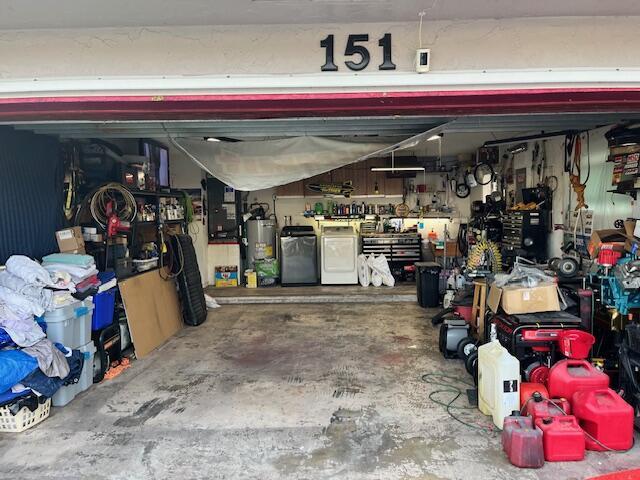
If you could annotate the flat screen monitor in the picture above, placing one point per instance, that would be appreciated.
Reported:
(157, 174)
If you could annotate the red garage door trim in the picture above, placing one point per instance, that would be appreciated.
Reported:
(244, 106)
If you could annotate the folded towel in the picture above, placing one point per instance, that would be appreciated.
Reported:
(77, 273)
(78, 259)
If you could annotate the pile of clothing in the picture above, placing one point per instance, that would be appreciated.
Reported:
(78, 272)
(32, 368)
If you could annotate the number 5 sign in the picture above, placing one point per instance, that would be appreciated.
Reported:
(360, 52)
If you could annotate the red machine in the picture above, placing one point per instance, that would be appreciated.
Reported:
(606, 417)
(562, 438)
(539, 340)
(569, 376)
(114, 224)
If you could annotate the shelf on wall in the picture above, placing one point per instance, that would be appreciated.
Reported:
(144, 193)
(633, 191)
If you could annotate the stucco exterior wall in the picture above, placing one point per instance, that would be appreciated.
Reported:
(511, 44)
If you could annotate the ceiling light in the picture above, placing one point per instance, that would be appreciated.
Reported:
(437, 136)
(397, 169)
(212, 139)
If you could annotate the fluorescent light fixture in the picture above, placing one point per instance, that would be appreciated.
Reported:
(212, 139)
(397, 169)
(437, 136)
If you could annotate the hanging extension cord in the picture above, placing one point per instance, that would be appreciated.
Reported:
(180, 252)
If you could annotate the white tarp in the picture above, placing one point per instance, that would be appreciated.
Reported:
(256, 165)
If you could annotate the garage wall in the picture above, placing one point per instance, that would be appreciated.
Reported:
(186, 174)
(533, 43)
(31, 194)
(294, 206)
(607, 207)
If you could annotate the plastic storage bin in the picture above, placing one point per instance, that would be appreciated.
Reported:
(71, 324)
(24, 419)
(427, 278)
(104, 304)
(69, 392)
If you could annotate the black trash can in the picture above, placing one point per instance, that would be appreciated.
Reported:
(428, 282)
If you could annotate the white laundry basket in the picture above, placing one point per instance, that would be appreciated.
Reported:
(24, 419)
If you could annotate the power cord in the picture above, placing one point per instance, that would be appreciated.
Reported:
(171, 252)
(456, 388)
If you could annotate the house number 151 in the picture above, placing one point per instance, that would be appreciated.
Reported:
(360, 51)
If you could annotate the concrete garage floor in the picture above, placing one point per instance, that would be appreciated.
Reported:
(278, 391)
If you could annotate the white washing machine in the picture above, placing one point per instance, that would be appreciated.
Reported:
(338, 256)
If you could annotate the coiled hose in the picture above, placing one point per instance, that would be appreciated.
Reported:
(125, 206)
(485, 251)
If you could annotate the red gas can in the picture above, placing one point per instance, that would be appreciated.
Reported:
(523, 443)
(527, 389)
(569, 376)
(605, 417)
(513, 422)
(539, 407)
(562, 438)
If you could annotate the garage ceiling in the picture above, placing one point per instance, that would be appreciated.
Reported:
(33, 14)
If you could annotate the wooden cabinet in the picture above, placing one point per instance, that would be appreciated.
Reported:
(393, 186)
(360, 175)
(363, 179)
(375, 178)
(295, 189)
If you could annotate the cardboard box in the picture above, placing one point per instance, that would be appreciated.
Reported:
(516, 299)
(616, 238)
(70, 240)
(226, 276)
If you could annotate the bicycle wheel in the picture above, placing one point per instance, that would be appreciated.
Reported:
(483, 173)
(462, 190)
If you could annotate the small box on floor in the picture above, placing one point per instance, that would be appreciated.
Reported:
(226, 276)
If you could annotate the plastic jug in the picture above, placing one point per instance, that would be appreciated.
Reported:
(498, 380)
(605, 416)
(569, 376)
(540, 407)
(515, 421)
(527, 389)
(522, 442)
(562, 438)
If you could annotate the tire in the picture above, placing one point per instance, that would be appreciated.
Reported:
(478, 170)
(474, 367)
(553, 263)
(462, 190)
(466, 347)
(471, 364)
(568, 267)
(100, 365)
